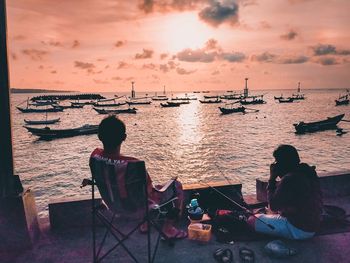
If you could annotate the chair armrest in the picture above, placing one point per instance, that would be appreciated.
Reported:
(166, 186)
(86, 182)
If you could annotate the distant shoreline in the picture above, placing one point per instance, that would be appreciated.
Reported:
(38, 91)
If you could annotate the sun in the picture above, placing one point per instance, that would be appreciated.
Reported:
(185, 30)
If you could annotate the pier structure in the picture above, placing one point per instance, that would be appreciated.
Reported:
(245, 91)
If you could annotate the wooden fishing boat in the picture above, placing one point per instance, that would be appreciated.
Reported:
(253, 101)
(115, 104)
(170, 104)
(277, 98)
(286, 100)
(231, 96)
(229, 110)
(47, 133)
(116, 111)
(139, 102)
(160, 97)
(184, 98)
(298, 96)
(32, 110)
(342, 100)
(39, 122)
(329, 123)
(211, 96)
(210, 101)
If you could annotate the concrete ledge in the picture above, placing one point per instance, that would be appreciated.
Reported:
(335, 184)
(76, 212)
(71, 212)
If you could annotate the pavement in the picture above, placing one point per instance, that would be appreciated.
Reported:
(75, 245)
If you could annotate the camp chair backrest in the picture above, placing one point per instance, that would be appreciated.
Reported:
(122, 184)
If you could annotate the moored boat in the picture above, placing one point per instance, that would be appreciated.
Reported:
(255, 100)
(33, 110)
(170, 104)
(342, 100)
(228, 110)
(329, 123)
(115, 111)
(39, 122)
(286, 100)
(47, 133)
(211, 101)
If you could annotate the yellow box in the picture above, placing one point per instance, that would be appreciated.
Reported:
(199, 231)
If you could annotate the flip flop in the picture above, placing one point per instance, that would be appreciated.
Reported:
(223, 255)
(246, 255)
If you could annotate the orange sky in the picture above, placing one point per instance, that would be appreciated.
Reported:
(103, 45)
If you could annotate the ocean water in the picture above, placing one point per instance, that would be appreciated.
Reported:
(194, 142)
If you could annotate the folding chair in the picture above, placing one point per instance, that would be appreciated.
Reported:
(123, 188)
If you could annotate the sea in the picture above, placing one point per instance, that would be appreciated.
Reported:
(194, 142)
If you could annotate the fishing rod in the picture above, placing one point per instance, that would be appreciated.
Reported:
(240, 206)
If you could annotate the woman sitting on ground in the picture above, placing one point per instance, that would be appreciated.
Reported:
(296, 198)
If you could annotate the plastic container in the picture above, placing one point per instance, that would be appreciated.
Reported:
(199, 232)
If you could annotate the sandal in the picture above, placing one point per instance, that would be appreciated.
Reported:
(223, 255)
(246, 255)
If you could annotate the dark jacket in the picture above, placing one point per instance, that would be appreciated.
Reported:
(298, 198)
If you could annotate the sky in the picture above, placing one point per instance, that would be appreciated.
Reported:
(184, 45)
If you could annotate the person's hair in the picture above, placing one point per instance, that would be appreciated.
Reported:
(287, 156)
(111, 132)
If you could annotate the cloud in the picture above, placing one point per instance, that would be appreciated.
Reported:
(122, 64)
(293, 60)
(327, 61)
(198, 55)
(14, 56)
(89, 67)
(327, 49)
(183, 71)
(164, 6)
(35, 54)
(75, 44)
(147, 53)
(19, 37)
(119, 43)
(264, 57)
(267, 57)
(116, 78)
(290, 35)
(264, 25)
(53, 43)
(233, 56)
(216, 72)
(211, 44)
(219, 12)
(99, 81)
(53, 72)
(164, 68)
(163, 56)
(149, 66)
(83, 65)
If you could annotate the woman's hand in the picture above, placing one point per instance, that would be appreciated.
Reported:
(273, 172)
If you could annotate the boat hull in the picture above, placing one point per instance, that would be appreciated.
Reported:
(48, 134)
(328, 124)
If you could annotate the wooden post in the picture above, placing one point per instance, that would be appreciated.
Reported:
(19, 226)
(6, 160)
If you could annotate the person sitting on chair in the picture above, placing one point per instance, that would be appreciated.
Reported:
(112, 133)
(296, 198)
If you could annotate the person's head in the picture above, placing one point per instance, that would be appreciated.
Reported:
(287, 158)
(111, 132)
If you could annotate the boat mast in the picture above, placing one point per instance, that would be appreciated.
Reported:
(132, 89)
(245, 91)
(298, 87)
(164, 89)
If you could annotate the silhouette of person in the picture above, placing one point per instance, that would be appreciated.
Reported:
(296, 198)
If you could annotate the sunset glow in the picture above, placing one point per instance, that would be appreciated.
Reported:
(185, 45)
